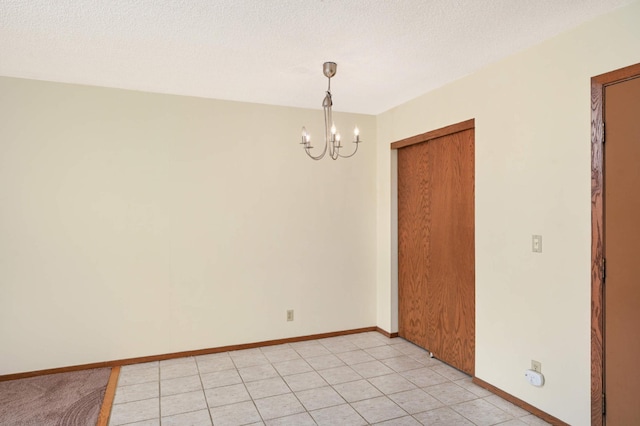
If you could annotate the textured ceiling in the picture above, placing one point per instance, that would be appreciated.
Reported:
(271, 51)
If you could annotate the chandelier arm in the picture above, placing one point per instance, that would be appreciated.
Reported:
(319, 157)
(353, 153)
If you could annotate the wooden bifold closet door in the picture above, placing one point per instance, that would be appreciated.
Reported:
(436, 246)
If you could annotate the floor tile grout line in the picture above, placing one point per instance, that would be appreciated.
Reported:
(247, 389)
(289, 387)
(204, 394)
(159, 393)
(294, 394)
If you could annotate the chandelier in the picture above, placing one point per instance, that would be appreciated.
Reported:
(331, 137)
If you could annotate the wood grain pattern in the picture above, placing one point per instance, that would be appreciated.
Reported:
(436, 243)
(597, 232)
(520, 403)
(413, 238)
(183, 354)
(617, 76)
(451, 282)
(434, 134)
(597, 238)
(109, 395)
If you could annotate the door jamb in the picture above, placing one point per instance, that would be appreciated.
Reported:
(598, 83)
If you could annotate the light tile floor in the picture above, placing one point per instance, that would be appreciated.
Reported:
(358, 379)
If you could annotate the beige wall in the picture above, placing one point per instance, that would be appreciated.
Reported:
(532, 115)
(134, 224)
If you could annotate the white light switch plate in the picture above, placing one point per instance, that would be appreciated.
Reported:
(536, 243)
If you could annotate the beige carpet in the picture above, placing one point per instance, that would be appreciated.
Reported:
(56, 399)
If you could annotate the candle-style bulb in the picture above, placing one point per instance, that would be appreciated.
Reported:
(333, 129)
(338, 137)
(304, 132)
(356, 131)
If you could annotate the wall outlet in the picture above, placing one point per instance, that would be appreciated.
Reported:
(534, 378)
(290, 315)
(536, 366)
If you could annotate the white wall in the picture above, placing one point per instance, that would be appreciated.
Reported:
(532, 115)
(135, 224)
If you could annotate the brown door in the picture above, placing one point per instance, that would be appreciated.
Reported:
(436, 250)
(622, 252)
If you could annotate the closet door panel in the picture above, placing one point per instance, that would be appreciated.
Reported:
(436, 247)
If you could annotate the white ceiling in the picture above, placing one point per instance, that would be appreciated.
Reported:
(272, 51)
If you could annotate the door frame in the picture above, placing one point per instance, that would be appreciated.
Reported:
(598, 83)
